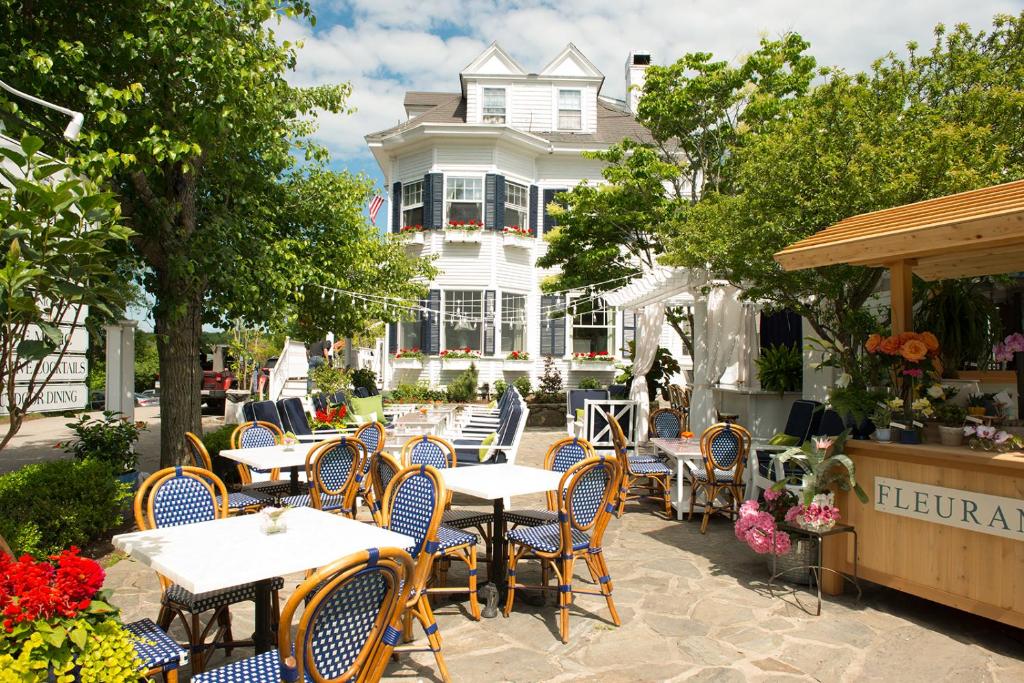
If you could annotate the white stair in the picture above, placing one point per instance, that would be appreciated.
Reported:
(294, 387)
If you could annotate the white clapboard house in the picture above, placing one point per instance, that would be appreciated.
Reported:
(496, 151)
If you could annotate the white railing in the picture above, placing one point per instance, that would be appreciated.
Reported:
(278, 374)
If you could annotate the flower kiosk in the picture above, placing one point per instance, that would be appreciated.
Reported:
(944, 523)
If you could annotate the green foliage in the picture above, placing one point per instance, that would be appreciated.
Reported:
(855, 400)
(523, 385)
(961, 314)
(54, 505)
(416, 393)
(57, 231)
(147, 361)
(111, 440)
(950, 414)
(463, 389)
(216, 441)
(365, 378)
(780, 368)
(500, 387)
(550, 386)
(329, 379)
(590, 383)
(821, 469)
(664, 366)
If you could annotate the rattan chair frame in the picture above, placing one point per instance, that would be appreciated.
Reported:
(418, 606)
(365, 490)
(236, 442)
(317, 589)
(201, 458)
(466, 552)
(377, 486)
(712, 488)
(350, 488)
(549, 464)
(679, 399)
(636, 485)
(651, 421)
(561, 561)
(197, 633)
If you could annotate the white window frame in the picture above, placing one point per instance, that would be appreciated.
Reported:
(559, 109)
(483, 105)
(476, 302)
(608, 325)
(449, 181)
(524, 207)
(508, 318)
(413, 204)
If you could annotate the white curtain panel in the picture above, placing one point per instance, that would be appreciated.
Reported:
(649, 323)
(750, 350)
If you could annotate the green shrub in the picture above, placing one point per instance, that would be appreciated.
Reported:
(463, 389)
(111, 439)
(500, 387)
(523, 385)
(50, 506)
(590, 383)
(780, 368)
(364, 377)
(328, 379)
(215, 442)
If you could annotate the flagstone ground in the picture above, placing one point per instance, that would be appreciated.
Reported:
(693, 607)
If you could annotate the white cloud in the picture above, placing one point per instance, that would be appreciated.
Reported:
(396, 45)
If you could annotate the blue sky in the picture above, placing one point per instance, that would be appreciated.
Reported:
(385, 47)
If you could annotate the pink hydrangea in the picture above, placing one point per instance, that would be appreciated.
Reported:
(757, 529)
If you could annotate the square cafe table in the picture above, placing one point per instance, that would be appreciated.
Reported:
(219, 554)
(495, 483)
(682, 451)
(291, 458)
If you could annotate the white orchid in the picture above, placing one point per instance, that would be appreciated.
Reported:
(936, 392)
(844, 380)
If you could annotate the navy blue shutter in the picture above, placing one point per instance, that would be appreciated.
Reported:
(392, 337)
(532, 222)
(628, 331)
(549, 196)
(494, 201)
(433, 200)
(396, 207)
(489, 322)
(552, 329)
(431, 324)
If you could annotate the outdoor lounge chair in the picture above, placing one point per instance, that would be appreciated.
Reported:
(293, 415)
(725, 447)
(585, 504)
(803, 421)
(575, 400)
(412, 505)
(334, 472)
(562, 455)
(350, 613)
(185, 495)
(505, 444)
(263, 411)
(238, 501)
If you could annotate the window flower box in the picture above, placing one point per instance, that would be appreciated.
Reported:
(458, 359)
(411, 237)
(407, 363)
(599, 361)
(465, 235)
(514, 236)
(518, 361)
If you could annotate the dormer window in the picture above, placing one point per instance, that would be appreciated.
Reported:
(494, 105)
(570, 110)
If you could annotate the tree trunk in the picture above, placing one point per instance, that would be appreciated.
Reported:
(177, 342)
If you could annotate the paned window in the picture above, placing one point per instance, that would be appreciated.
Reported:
(463, 320)
(517, 206)
(412, 203)
(570, 110)
(513, 322)
(494, 105)
(593, 326)
(465, 199)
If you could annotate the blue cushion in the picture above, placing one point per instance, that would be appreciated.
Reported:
(700, 473)
(547, 538)
(449, 538)
(156, 649)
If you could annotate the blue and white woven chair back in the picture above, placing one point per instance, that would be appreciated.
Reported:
(352, 604)
(426, 451)
(182, 499)
(257, 436)
(588, 488)
(667, 424)
(371, 434)
(332, 469)
(413, 504)
(568, 454)
(385, 471)
(725, 448)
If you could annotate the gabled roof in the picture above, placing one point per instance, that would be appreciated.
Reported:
(572, 63)
(494, 61)
(421, 98)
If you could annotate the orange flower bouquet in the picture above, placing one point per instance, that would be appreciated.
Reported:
(912, 361)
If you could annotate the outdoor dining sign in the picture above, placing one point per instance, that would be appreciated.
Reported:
(981, 512)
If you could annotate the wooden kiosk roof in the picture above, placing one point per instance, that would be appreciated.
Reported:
(980, 232)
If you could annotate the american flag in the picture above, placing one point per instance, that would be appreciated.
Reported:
(375, 204)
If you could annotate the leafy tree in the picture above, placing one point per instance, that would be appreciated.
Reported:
(58, 230)
(913, 127)
(191, 121)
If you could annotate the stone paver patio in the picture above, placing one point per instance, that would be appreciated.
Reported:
(693, 607)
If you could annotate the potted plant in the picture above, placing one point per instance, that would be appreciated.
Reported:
(987, 438)
(780, 368)
(881, 417)
(758, 526)
(110, 439)
(950, 417)
(976, 405)
(823, 469)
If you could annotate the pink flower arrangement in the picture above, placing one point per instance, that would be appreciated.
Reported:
(757, 529)
(1003, 351)
(988, 438)
(820, 515)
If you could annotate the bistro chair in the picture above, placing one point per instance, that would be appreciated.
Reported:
(373, 436)
(239, 502)
(725, 447)
(258, 434)
(346, 631)
(412, 505)
(383, 468)
(454, 541)
(186, 495)
(561, 456)
(333, 472)
(643, 476)
(585, 504)
(666, 423)
(157, 651)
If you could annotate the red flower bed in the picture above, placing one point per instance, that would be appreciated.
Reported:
(31, 590)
